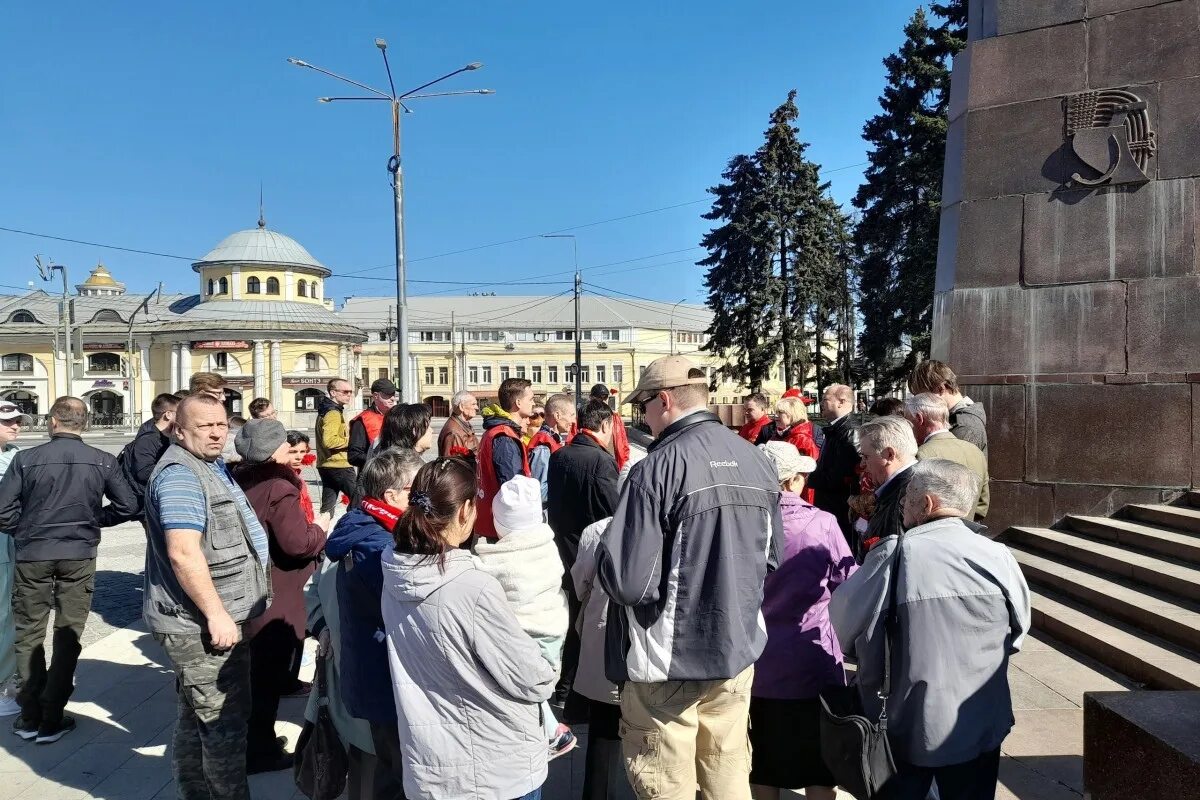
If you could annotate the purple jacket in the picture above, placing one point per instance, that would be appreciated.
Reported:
(802, 655)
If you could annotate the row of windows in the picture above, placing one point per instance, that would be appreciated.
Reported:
(482, 375)
(599, 335)
(255, 286)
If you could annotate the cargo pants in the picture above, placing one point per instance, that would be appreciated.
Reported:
(214, 704)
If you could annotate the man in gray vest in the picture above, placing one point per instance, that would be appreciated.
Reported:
(205, 576)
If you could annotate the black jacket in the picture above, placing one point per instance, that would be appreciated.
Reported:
(138, 458)
(360, 440)
(836, 476)
(581, 489)
(888, 517)
(51, 499)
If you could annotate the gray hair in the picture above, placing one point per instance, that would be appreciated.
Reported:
(891, 431)
(955, 486)
(460, 397)
(929, 406)
(393, 468)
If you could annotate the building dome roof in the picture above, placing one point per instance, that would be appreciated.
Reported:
(100, 279)
(260, 246)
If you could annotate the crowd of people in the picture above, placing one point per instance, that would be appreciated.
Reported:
(692, 604)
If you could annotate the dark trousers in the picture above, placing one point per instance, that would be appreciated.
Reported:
(570, 656)
(272, 651)
(335, 481)
(971, 780)
(604, 776)
(389, 772)
(65, 586)
(209, 758)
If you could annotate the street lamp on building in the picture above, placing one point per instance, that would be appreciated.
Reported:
(578, 333)
(397, 101)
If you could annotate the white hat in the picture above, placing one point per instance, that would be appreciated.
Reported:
(9, 410)
(787, 460)
(517, 506)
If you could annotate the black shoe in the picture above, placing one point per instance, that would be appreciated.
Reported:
(272, 763)
(25, 729)
(48, 733)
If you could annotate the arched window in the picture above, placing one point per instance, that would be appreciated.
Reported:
(253, 286)
(223, 286)
(104, 362)
(22, 316)
(306, 399)
(16, 362)
(272, 285)
(312, 362)
(316, 290)
(212, 286)
(302, 288)
(107, 315)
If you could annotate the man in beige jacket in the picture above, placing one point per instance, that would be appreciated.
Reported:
(931, 424)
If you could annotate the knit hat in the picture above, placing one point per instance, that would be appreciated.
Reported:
(518, 505)
(258, 440)
(787, 460)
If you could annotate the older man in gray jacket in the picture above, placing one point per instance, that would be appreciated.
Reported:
(962, 610)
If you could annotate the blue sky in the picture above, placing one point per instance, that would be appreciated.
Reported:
(151, 126)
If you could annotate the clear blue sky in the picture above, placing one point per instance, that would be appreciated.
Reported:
(153, 128)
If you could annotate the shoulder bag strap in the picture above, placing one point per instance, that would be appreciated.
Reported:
(890, 624)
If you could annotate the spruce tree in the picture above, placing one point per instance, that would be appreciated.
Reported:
(896, 237)
(741, 290)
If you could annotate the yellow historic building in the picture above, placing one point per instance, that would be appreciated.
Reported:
(261, 318)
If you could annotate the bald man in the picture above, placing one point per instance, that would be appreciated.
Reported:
(52, 503)
(836, 477)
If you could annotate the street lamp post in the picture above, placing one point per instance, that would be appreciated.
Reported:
(134, 422)
(47, 271)
(673, 325)
(397, 101)
(578, 332)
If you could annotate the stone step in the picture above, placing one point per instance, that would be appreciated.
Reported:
(1139, 536)
(1177, 621)
(1159, 572)
(1148, 660)
(1181, 518)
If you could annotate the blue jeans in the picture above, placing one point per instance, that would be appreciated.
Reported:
(536, 794)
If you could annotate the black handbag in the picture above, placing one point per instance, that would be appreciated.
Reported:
(854, 747)
(321, 763)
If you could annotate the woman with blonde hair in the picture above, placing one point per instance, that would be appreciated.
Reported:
(792, 426)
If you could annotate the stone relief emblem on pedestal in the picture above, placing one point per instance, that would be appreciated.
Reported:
(1109, 131)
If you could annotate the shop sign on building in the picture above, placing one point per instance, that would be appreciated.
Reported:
(221, 345)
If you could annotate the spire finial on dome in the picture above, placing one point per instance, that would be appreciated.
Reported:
(262, 221)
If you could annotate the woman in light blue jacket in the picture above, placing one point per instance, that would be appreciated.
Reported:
(11, 421)
(467, 679)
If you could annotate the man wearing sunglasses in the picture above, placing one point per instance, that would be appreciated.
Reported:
(696, 528)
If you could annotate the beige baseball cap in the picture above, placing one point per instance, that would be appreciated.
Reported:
(666, 373)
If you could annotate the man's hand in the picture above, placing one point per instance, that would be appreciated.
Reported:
(224, 631)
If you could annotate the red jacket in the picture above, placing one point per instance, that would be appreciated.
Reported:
(489, 484)
(751, 430)
(542, 437)
(800, 435)
(620, 442)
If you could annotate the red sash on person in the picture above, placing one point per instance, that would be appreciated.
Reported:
(543, 438)
(489, 483)
(385, 514)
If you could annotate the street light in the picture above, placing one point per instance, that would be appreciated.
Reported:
(47, 271)
(397, 102)
(673, 324)
(578, 333)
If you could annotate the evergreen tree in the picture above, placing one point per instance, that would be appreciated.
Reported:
(741, 289)
(896, 237)
(769, 262)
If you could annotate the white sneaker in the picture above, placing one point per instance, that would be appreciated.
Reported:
(8, 706)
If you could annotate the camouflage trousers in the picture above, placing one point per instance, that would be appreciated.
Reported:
(214, 705)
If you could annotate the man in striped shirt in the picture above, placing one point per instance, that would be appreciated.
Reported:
(206, 558)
